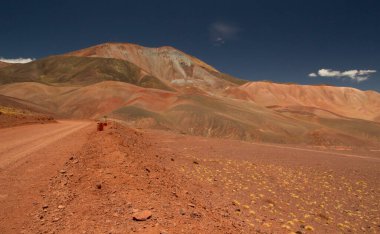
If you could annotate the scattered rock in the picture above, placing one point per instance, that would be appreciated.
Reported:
(182, 211)
(195, 215)
(142, 215)
(191, 205)
(195, 162)
(62, 171)
(61, 207)
(98, 185)
(45, 206)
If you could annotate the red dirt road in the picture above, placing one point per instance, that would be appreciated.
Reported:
(29, 156)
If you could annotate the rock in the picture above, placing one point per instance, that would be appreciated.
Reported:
(142, 215)
(62, 171)
(191, 205)
(45, 206)
(98, 185)
(61, 207)
(195, 215)
(182, 211)
(71, 158)
(56, 219)
(195, 162)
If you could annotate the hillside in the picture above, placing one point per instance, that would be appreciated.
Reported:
(167, 89)
(198, 114)
(348, 102)
(64, 70)
(15, 111)
(4, 64)
(170, 65)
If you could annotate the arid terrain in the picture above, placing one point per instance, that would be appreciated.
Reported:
(186, 149)
(80, 180)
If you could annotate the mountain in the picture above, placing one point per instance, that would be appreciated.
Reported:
(168, 89)
(173, 67)
(66, 70)
(344, 101)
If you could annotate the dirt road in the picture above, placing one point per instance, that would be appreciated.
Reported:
(29, 156)
(18, 142)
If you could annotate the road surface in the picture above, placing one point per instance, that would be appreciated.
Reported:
(30, 156)
(19, 142)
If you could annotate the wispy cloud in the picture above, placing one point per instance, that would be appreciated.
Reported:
(355, 75)
(221, 32)
(313, 74)
(17, 60)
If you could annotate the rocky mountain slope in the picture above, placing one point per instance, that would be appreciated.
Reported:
(166, 88)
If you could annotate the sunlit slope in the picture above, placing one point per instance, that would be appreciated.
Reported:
(65, 70)
(171, 66)
(348, 102)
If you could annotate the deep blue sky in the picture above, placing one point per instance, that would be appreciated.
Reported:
(280, 40)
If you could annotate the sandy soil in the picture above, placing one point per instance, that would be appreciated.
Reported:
(101, 181)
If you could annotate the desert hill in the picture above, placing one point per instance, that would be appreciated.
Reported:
(170, 65)
(15, 111)
(345, 101)
(168, 89)
(4, 64)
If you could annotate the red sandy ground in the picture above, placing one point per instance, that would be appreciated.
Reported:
(94, 182)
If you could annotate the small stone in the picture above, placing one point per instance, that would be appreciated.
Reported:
(182, 212)
(61, 207)
(195, 215)
(45, 206)
(62, 171)
(191, 205)
(56, 219)
(98, 185)
(195, 162)
(142, 216)
(71, 158)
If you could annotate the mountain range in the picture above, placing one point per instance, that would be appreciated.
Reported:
(168, 89)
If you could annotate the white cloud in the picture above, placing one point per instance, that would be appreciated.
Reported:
(355, 75)
(221, 32)
(17, 60)
(313, 74)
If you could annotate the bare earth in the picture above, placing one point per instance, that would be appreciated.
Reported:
(68, 178)
(29, 156)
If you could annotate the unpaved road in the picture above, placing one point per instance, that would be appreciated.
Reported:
(18, 142)
(29, 156)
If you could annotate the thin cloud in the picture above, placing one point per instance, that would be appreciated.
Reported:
(221, 32)
(17, 60)
(313, 74)
(355, 75)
